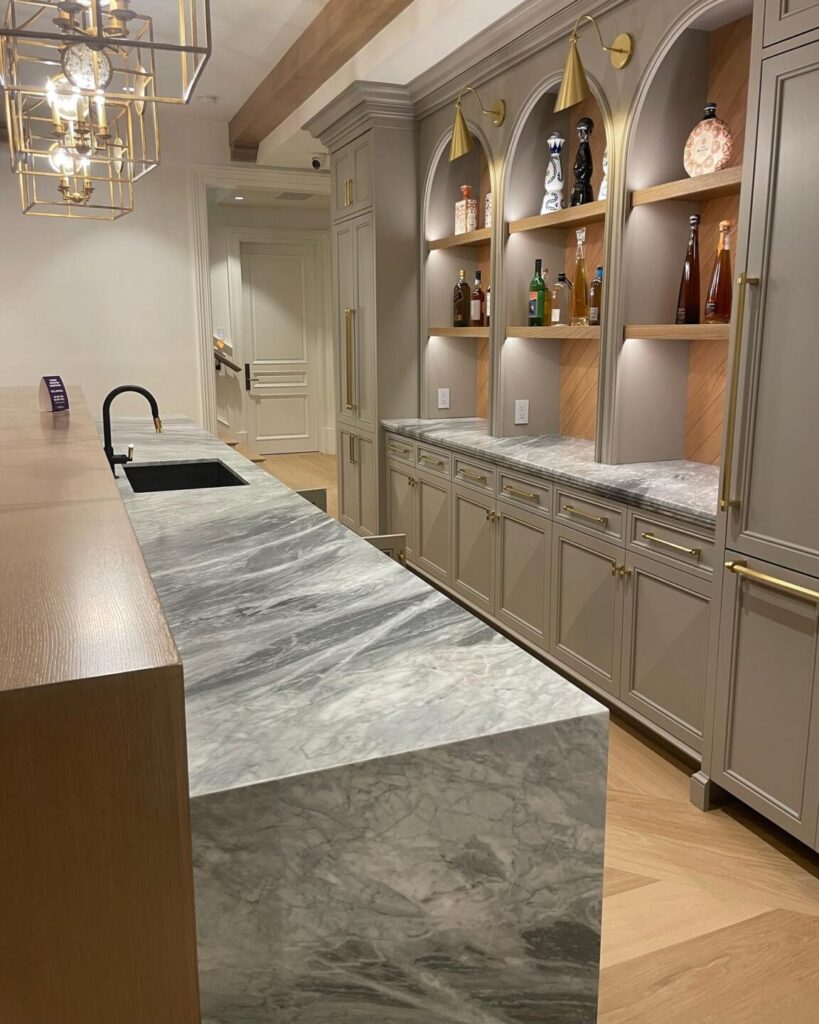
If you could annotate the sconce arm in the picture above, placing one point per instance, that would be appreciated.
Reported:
(498, 112)
(593, 20)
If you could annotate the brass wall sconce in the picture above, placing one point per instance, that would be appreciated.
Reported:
(574, 88)
(461, 139)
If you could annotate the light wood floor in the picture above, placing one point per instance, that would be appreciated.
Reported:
(707, 918)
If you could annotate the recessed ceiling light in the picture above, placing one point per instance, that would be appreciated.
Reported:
(239, 199)
(207, 98)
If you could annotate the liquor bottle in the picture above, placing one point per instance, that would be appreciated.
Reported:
(478, 302)
(461, 302)
(596, 298)
(688, 303)
(488, 305)
(720, 294)
(562, 301)
(580, 290)
(537, 297)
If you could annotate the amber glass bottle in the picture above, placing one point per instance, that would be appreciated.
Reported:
(720, 294)
(461, 302)
(580, 288)
(478, 313)
(688, 303)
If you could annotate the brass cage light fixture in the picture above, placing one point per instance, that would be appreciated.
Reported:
(574, 88)
(461, 138)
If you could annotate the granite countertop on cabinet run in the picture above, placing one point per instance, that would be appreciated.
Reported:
(685, 489)
(304, 648)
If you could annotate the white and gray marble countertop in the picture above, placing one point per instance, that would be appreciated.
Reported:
(303, 647)
(684, 489)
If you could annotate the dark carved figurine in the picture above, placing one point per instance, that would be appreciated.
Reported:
(583, 165)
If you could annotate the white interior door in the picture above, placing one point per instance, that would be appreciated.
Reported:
(281, 326)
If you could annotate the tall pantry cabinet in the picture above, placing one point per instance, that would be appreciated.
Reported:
(370, 131)
(766, 698)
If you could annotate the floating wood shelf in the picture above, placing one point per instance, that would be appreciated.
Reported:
(561, 332)
(458, 332)
(589, 213)
(678, 332)
(707, 186)
(480, 237)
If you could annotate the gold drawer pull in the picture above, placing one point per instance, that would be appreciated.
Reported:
(395, 450)
(478, 477)
(693, 552)
(528, 495)
(572, 511)
(431, 461)
(351, 445)
(741, 569)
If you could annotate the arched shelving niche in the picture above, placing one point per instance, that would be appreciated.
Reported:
(671, 379)
(555, 368)
(456, 359)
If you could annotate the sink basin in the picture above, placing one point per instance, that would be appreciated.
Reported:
(181, 476)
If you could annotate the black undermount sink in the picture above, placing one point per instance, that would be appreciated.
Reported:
(181, 476)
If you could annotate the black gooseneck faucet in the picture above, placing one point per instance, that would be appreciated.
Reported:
(108, 447)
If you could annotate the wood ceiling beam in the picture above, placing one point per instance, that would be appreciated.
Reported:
(334, 36)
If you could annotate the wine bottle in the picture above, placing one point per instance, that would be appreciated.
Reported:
(688, 303)
(720, 294)
(461, 299)
(488, 305)
(478, 302)
(596, 298)
(537, 297)
(580, 290)
(562, 301)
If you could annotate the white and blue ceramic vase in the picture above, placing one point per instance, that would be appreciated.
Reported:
(553, 199)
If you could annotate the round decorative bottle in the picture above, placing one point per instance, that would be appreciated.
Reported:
(553, 200)
(709, 145)
(583, 165)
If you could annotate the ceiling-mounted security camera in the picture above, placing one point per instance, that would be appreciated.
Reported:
(318, 161)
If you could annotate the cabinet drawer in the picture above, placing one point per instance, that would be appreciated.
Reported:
(434, 461)
(592, 515)
(526, 493)
(401, 449)
(474, 474)
(672, 543)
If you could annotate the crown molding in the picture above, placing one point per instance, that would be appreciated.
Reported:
(361, 106)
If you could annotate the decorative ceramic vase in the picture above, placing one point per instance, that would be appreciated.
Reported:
(604, 184)
(709, 145)
(487, 211)
(466, 212)
(583, 165)
(553, 200)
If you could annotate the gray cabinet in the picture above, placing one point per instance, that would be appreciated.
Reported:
(766, 748)
(433, 513)
(665, 647)
(354, 255)
(787, 18)
(352, 175)
(522, 571)
(357, 474)
(401, 518)
(473, 546)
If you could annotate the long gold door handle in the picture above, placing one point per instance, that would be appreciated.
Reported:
(348, 334)
(726, 501)
(351, 446)
(741, 569)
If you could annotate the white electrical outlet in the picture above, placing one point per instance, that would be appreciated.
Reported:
(443, 398)
(521, 411)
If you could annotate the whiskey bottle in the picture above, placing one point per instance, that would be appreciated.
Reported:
(580, 289)
(720, 294)
(562, 301)
(688, 303)
(537, 297)
(596, 298)
(478, 303)
(461, 299)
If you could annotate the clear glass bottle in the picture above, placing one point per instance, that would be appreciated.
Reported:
(688, 302)
(537, 296)
(562, 301)
(461, 298)
(580, 288)
(478, 302)
(596, 298)
(721, 292)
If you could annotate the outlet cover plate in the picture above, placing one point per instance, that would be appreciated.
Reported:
(443, 398)
(521, 411)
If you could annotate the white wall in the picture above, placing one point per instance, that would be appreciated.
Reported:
(104, 304)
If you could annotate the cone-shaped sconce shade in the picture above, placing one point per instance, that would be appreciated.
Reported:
(574, 86)
(461, 139)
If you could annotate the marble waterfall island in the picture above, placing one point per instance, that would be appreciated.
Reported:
(397, 814)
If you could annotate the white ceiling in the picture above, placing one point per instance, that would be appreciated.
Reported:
(270, 198)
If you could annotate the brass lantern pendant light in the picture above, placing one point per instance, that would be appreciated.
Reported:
(575, 86)
(461, 139)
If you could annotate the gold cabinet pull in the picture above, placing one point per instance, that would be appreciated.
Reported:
(491, 516)
(411, 482)
(393, 449)
(741, 569)
(351, 445)
(348, 337)
(527, 495)
(431, 461)
(693, 552)
(726, 502)
(620, 570)
(615, 568)
(469, 475)
(570, 510)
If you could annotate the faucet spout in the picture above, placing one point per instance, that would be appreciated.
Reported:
(107, 444)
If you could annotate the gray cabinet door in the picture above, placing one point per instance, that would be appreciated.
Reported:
(665, 647)
(367, 457)
(361, 190)
(775, 475)
(787, 18)
(349, 481)
(766, 732)
(342, 173)
(363, 322)
(344, 298)
(433, 509)
(587, 606)
(401, 504)
(524, 553)
(473, 547)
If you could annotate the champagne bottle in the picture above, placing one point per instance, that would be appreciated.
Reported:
(580, 289)
(562, 301)
(688, 303)
(596, 298)
(720, 294)
(461, 299)
(478, 302)
(537, 297)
